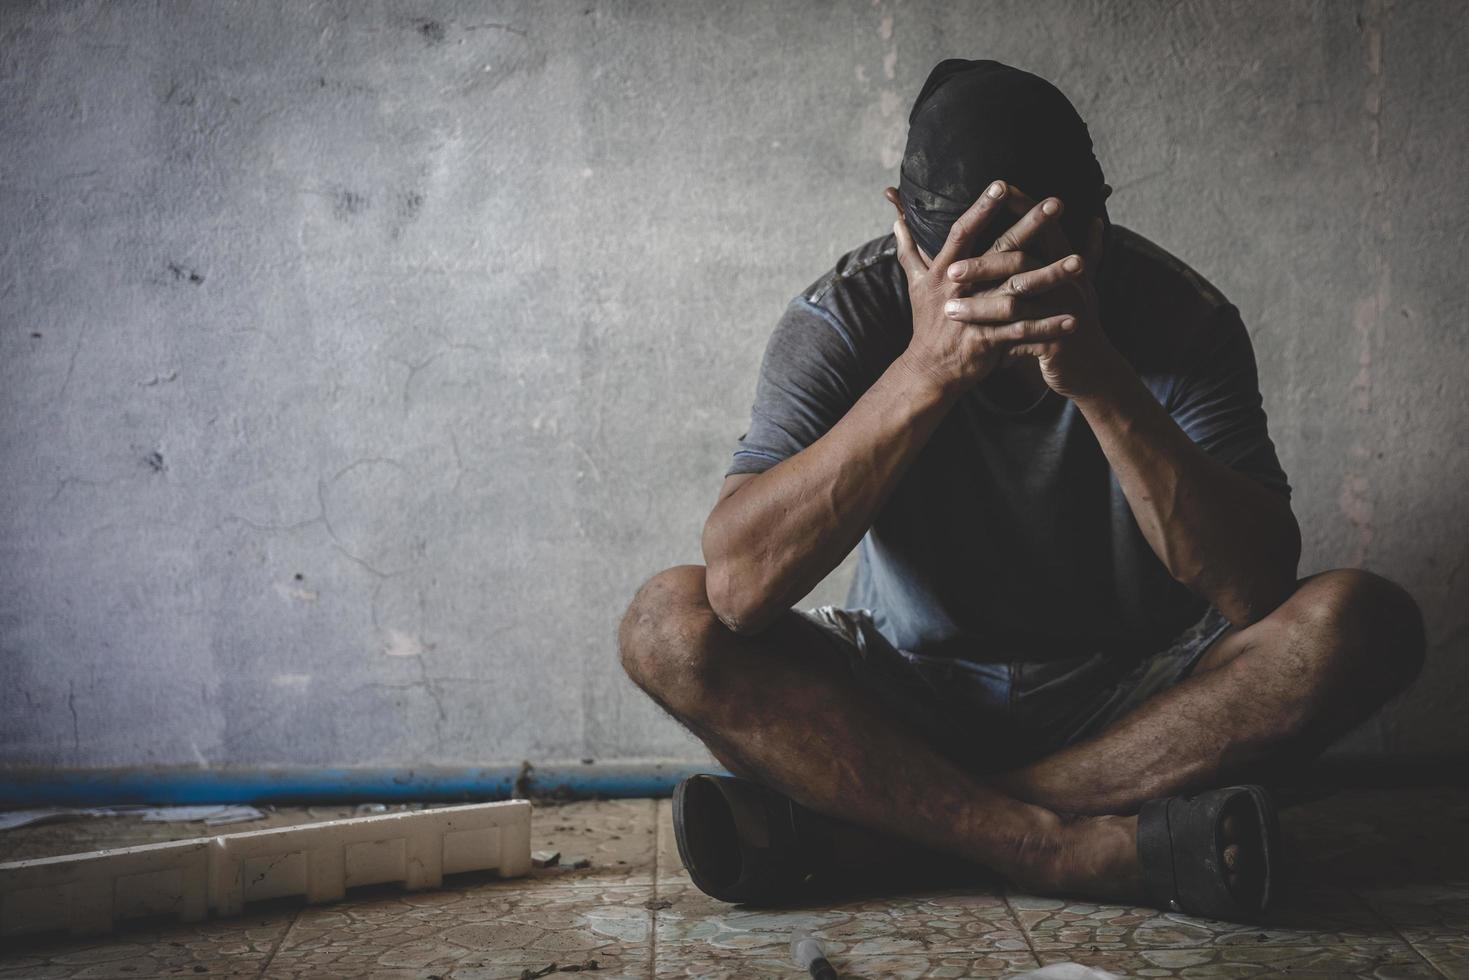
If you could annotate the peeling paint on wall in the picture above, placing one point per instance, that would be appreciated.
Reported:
(885, 125)
(1356, 497)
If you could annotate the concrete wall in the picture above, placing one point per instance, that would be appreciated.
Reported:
(357, 361)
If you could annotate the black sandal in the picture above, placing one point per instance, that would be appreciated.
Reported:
(1179, 844)
(743, 842)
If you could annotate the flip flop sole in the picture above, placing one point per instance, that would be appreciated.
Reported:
(707, 839)
(739, 840)
(1269, 817)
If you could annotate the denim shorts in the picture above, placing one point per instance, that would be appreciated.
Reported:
(990, 717)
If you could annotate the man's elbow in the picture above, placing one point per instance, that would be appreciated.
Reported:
(734, 594)
(1261, 592)
(1262, 596)
(741, 609)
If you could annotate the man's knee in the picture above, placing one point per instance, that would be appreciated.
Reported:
(666, 633)
(1362, 625)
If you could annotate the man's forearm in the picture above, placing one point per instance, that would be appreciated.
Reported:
(1226, 537)
(769, 542)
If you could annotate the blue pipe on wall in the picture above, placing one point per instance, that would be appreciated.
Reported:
(101, 787)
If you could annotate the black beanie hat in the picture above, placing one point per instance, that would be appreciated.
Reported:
(975, 122)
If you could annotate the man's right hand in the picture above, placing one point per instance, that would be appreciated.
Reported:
(956, 356)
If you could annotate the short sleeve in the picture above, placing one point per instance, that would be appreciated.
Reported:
(806, 384)
(1218, 404)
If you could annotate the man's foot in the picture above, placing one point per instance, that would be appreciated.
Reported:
(1098, 858)
(1084, 857)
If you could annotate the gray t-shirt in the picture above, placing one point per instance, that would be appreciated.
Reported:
(1009, 538)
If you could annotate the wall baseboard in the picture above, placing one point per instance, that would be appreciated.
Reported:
(177, 786)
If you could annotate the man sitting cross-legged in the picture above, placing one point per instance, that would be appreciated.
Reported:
(1075, 620)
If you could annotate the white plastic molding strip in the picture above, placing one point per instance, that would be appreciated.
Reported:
(87, 893)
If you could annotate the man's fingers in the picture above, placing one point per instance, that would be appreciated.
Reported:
(1045, 279)
(990, 267)
(1017, 201)
(908, 255)
(1000, 306)
(1036, 230)
(980, 213)
(1040, 331)
(1038, 349)
(984, 308)
(1050, 241)
(891, 193)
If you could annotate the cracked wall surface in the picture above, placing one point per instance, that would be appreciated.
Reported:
(358, 361)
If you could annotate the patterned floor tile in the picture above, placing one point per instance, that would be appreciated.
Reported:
(1370, 869)
(1451, 959)
(1337, 962)
(1317, 918)
(939, 923)
(476, 932)
(223, 948)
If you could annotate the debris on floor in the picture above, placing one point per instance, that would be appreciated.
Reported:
(810, 956)
(544, 859)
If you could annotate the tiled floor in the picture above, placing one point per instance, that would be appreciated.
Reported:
(1381, 889)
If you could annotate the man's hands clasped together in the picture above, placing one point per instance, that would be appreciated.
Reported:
(1027, 294)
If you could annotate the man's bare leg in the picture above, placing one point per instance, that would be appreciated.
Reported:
(769, 710)
(1280, 690)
